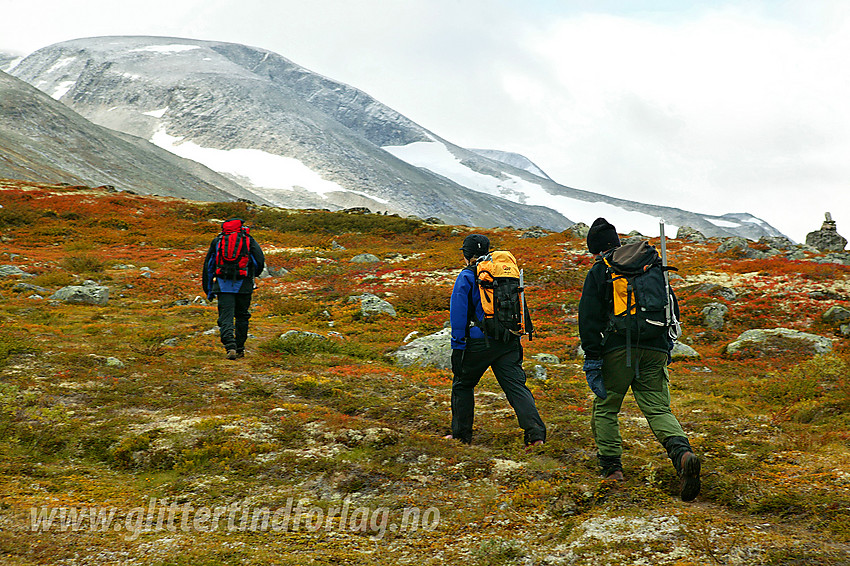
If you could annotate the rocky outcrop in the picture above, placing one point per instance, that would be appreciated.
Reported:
(535, 232)
(827, 239)
(578, 230)
(760, 343)
(690, 234)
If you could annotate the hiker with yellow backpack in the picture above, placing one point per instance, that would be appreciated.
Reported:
(627, 323)
(488, 316)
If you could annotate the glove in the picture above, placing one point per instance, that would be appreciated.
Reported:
(593, 371)
(457, 360)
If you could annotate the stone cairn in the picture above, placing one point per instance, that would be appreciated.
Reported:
(827, 239)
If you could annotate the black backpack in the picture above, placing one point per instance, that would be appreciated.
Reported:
(501, 288)
(640, 298)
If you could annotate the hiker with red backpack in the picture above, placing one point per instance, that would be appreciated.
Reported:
(627, 323)
(488, 316)
(232, 262)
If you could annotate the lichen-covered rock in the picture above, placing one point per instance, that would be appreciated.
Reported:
(534, 233)
(683, 352)
(836, 314)
(759, 343)
(733, 246)
(713, 315)
(714, 290)
(365, 258)
(13, 271)
(89, 293)
(547, 358)
(434, 350)
(372, 305)
(690, 234)
(578, 230)
(295, 334)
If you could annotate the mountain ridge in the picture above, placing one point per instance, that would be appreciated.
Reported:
(205, 100)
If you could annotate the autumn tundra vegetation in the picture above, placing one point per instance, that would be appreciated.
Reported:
(129, 438)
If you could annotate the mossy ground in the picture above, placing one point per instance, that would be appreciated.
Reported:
(338, 423)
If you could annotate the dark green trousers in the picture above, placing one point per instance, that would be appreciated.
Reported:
(648, 379)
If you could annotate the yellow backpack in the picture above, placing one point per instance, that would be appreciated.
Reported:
(501, 287)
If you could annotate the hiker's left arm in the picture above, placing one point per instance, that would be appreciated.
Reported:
(459, 309)
(206, 277)
(257, 254)
(592, 316)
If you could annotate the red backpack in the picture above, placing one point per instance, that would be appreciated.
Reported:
(234, 251)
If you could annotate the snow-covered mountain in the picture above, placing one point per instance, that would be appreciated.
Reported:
(42, 140)
(297, 138)
(9, 60)
(514, 160)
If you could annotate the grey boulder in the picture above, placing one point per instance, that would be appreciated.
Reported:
(434, 350)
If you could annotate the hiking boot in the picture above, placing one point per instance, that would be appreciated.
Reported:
(240, 353)
(532, 445)
(616, 475)
(689, 473)
(232, 355)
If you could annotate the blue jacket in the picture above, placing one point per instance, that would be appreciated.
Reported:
(465, 287)
(213, 286)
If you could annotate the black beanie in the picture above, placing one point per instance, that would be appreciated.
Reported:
(602, 236)
(475, 245)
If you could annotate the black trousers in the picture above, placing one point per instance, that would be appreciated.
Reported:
(233, 319)
(505, 358)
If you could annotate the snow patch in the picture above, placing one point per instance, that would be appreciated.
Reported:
(262, 169)
(62, 89)
(60, 63)
(173, 48)
(723, 223)
(436, 157)
(157, 113)
(12, 64)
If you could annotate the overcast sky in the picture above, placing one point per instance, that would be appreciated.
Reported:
(727, 106)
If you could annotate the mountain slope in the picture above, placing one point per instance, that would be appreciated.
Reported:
(273, 126)
(301, 139)
(43, 140)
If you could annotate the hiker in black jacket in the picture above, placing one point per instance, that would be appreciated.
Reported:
(610, 376)
(233, 286)
(473, 354)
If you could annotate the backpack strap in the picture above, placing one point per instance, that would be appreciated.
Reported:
(471, 318)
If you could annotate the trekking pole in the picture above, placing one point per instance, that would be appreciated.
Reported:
(674, 330)
(522, 302)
